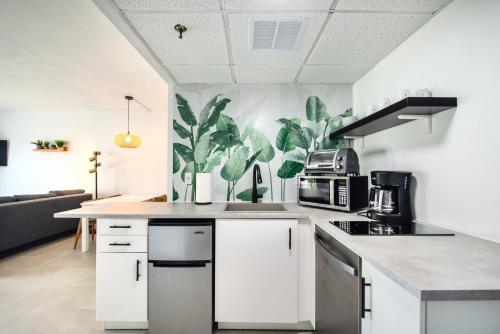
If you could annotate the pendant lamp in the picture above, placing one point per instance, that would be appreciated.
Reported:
(128, 140)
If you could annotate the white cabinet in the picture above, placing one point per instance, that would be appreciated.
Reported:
(121, 287)
(122, 273)
(393, 309)
(256, 271)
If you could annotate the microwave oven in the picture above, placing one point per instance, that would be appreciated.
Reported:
(345, 193)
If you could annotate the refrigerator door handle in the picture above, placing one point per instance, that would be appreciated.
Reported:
(179, 264)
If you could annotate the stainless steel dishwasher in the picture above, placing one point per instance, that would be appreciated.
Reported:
(339, 300)
(180, 277)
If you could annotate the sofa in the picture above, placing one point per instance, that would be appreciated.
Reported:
(28, 220)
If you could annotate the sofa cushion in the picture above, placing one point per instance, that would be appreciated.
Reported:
(19, 198)
(67, 192)
(6, 199)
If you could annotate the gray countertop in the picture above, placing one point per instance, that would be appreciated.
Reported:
(460, 267)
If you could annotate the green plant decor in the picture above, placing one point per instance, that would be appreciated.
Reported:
(214, 136)
(59, 143)
(295, 140)
(46, 144)
(206, 148)
(38, 143)
(259, 142)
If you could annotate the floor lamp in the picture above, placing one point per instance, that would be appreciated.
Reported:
(96, 164)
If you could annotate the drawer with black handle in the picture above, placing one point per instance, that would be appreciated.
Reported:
(122, 244)
(106, 226)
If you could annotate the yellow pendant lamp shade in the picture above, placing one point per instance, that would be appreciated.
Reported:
(128, 140)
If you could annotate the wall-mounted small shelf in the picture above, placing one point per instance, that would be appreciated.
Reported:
(60, 149)
(406, 110)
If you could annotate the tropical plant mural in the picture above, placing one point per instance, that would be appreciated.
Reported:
(295, 140)
(213, 138)
(206, 148)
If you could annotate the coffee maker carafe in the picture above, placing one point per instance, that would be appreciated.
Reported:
(390, 197)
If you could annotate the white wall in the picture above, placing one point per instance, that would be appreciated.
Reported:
(142, 170)
(457, 168)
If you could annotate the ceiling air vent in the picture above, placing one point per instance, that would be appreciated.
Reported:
(274, 34)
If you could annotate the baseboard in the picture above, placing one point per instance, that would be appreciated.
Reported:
(126, 325)
(301, 326)
(38, 242)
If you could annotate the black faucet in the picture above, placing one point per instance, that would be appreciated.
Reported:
(256, 179)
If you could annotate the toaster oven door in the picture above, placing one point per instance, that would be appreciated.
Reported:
(315, 190)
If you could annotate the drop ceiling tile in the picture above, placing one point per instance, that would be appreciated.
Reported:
(424, 6)
(240, 27)
(184, 74)
(167, 4)
(363, 38)
(332, 73)
(278, 4)
(265, 74)
(203, 43)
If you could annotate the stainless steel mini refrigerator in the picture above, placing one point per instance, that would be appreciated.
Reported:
(180, 277)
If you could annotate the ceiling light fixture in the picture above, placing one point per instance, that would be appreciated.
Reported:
(128, 140)
(180, 29)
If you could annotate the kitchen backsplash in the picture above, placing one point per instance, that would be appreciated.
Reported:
(226, 129)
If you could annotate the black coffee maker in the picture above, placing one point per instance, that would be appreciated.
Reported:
(390, 197)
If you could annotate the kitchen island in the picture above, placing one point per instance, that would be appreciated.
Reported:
(436, 274)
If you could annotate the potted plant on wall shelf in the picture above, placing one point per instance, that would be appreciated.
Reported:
(38, 144)
(57, 145)
(60, 144)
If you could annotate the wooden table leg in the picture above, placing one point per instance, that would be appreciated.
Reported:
(78, 233)
(85, 235)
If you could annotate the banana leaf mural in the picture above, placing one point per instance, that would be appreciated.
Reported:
(295, 140)
(201, 144)
(206, 148)
(212, 141)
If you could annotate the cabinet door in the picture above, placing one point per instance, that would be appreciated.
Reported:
(256, 271)
(121, 295)
(393, 309)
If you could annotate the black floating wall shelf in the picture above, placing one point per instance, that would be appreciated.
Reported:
(406, 110)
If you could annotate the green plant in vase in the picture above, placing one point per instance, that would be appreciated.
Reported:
(46, 145)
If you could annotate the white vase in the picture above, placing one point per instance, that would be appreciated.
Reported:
(203, 188)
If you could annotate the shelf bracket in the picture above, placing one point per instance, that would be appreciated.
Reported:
(357, 137)
(428, 119)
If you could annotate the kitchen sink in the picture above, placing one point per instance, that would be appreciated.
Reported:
(255, 207)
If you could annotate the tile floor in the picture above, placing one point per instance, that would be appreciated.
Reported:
(51, 289)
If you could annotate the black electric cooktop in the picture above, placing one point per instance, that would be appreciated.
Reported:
(377, 228)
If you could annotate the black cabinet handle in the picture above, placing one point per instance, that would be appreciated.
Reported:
(363, 306)
(137, 274)
(290, 238)
(120, 244)
(120, 226)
